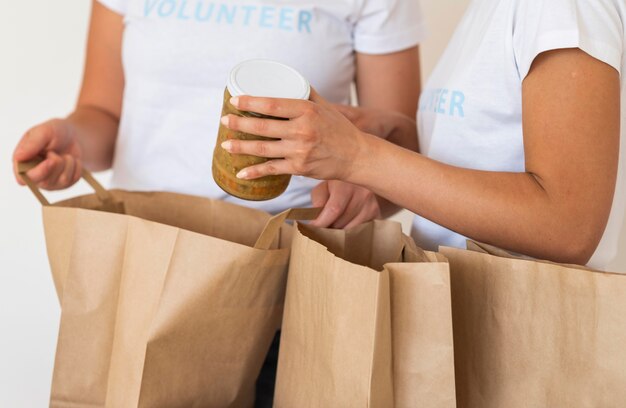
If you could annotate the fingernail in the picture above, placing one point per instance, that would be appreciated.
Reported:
(227, 145)
(243, 174)
(234, 101)
(225, 120)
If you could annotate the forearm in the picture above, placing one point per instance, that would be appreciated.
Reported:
(557, 209)
(96, 131)
(95, 121)
(509, 210)
(390, 85)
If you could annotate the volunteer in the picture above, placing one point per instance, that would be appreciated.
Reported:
(520, 128)
(153, 88)
(155, 74)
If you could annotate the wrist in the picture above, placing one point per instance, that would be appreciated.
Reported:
(381, 165)
(387, 208)
(71, 131)
(362, 159)
(94, 130)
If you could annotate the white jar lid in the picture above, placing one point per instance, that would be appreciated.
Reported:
(267, 78)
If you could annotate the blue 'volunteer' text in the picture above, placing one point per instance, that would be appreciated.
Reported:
(270, 17)
(443, 102)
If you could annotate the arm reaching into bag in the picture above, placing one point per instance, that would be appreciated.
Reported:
(383, 81)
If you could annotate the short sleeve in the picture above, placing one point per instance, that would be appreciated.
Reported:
(118, 6)
(387, 26)
(594, 26)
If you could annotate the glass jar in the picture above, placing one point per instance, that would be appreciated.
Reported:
(258, 78)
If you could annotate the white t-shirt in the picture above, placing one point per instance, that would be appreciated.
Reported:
(177, 55)
(470, 113)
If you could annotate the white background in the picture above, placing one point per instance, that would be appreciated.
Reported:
(42, 49)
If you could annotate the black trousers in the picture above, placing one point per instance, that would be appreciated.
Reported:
(267, 379)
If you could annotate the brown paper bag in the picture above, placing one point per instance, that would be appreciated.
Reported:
(421, 316)
(349, 303)
(173, 303)
(536, 334)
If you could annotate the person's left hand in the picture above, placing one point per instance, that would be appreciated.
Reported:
(318, 141)
(344, 205)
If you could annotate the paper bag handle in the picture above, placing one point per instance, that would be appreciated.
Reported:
(486, 249)
(411, 252)
(273, 225)
(24, 167)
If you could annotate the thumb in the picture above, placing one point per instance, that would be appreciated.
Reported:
(317, 98)
(33, 143)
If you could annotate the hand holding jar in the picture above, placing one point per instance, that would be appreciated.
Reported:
(261, 78)
(317, 141)
(269, 137)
